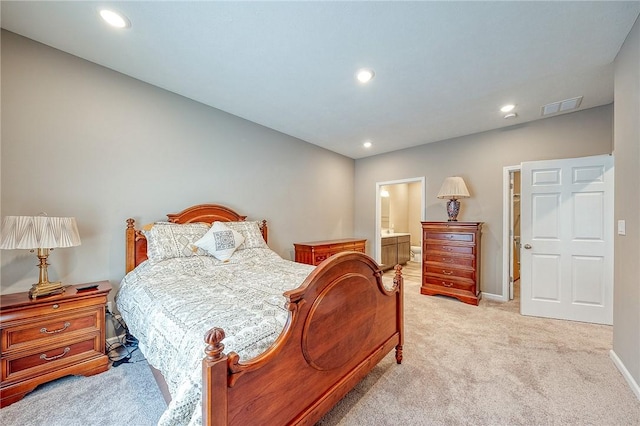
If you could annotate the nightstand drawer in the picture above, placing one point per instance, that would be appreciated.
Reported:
(55, 306)
(23, 336)
(49, 358)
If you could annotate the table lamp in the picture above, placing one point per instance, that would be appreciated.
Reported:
(41, 233)
(453, 188)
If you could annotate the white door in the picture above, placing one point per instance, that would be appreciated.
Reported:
(567, 239)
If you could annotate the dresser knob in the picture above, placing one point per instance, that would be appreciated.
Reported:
(55, 306)
(447, 272)
(446, 284)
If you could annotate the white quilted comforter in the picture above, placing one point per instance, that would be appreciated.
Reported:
(169, 306)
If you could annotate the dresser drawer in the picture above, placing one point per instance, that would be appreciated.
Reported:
(50, 358)
(449, 248)
(450, 236)
(446, 272)
(27, 334)
(443, 259)
(451, 283)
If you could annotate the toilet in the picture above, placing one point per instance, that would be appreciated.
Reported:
(416, 253)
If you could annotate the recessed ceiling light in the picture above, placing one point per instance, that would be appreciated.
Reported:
(507, 108)
(115, 19)
(511, 115)
(367, 144)
(365, 75)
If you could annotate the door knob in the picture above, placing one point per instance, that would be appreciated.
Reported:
(527, 246)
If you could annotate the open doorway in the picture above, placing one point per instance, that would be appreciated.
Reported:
(400, 207)
(511, 234)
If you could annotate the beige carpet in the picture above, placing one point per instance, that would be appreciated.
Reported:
(463, 365)
(488, 365)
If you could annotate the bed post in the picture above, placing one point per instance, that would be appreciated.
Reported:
(398, 281)
(215, 407)
(130, 261)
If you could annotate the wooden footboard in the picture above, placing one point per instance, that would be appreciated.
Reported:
(342, 322)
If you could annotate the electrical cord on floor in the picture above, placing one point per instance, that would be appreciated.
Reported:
(120, 352)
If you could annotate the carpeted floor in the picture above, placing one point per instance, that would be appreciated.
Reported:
(463, 365)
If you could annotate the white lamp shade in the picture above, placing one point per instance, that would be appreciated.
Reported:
(453, 188)
(33, 232)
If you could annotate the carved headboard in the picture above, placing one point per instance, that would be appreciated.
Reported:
(136, 243)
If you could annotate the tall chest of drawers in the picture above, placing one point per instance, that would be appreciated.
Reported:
(451, 260)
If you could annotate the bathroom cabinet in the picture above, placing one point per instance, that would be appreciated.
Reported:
(395, 249)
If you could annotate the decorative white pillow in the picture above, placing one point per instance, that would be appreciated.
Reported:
(251, 232)
(220, 241)
(166, 240)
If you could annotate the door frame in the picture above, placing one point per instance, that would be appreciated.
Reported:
(507, 241)
(378, 223)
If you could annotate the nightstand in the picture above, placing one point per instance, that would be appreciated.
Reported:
(51, 337)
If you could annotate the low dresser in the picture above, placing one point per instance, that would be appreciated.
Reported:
(313, 253)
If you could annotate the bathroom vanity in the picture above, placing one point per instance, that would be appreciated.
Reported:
(395, 248)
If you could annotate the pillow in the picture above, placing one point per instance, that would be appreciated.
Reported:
(220, 241)
(251, 232)
(166, 240)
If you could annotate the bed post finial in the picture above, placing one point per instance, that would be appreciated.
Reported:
(130, 223)
(213, 339)
(398, 275)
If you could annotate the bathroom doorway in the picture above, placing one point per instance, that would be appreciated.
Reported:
(400, 207)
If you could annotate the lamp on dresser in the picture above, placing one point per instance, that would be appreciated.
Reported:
(453, 188)
(42, 233)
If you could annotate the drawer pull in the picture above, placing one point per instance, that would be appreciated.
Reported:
(44, 329)
(447, 272)
(446, 284)
(64, 352)
(55, 306)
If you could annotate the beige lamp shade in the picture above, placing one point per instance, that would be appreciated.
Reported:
(453, 188)
(33, 232)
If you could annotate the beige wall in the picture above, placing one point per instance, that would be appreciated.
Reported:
(480, 159)
(85, 141)
(626, 301)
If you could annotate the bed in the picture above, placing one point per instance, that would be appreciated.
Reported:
(320, 329)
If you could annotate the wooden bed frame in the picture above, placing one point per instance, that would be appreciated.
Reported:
(342, 322)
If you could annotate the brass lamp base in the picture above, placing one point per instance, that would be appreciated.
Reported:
(45, 289)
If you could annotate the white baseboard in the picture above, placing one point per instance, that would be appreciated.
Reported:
(494, 297)
(625, 373)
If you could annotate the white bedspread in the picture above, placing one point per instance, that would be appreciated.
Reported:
(170, 305)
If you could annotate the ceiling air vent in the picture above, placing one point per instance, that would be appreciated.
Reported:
(561, 106)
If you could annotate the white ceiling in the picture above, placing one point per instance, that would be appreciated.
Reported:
(443, 69)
